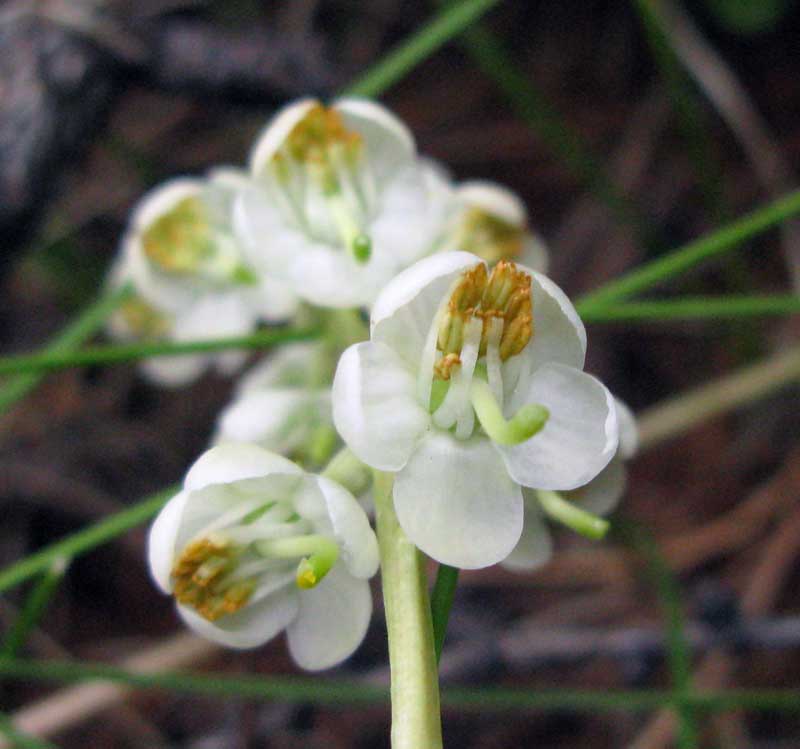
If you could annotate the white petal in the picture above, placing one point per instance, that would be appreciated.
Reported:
(233, 462)
(276, 419)
(295, 365)
(276, 131)
(456, 502)
(603, 493)
(272, 300)
(558, 333)
(251, 626)
(493, 199)
(535, 545)
(268, 243)
(404, 310)
(161, 541)
(332, 620)
(628, 432)
(375, 408)
(419, 197)
(329, 277)
(174, 371)
(162, 199)
(388, 142)
(579, 438)
(214, 316)
(359, 547)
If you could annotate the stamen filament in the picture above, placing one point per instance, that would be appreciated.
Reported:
(319, 554)
(572, 516)
(528, 421)
(358, 244)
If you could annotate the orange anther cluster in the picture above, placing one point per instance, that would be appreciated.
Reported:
(504, 294)
(199, 575)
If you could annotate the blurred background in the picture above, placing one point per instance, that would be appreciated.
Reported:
(628, 128)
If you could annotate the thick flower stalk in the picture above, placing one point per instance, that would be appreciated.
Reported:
(283, 404)
(470, 389)
(490, 221)
(190, 278)
(340, 201)
(252, 545)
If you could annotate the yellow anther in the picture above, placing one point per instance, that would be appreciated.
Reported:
(504, 294)
(489, 237)
(199, 579)
(321, 130)
(180, 240)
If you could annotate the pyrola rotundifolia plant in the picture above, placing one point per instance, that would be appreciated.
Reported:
(441, 390)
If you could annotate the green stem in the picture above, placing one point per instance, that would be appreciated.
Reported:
(85, 540)
(694, 308)
(404, 58)
(35, 605)
(677, 261)
(416, 721)
(444, 591)
(346, 469)
(80, 329)
(51, 360)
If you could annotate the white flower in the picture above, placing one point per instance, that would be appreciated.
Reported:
(189, 276)
(471, 387)
(492, 223)
(253, 545)
(343, 202)
(599, 497)
(283, 403)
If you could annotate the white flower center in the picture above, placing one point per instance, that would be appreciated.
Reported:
(184, 242)
(247, 553)
(322, 185)
(486, 320)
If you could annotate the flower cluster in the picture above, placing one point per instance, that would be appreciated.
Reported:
(470, 389)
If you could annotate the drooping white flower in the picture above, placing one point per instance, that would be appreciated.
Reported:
(491, 222)
(253, 545)
(470, 388)
(599, 497)
(283, 403)
(189, 275)
(342, 201)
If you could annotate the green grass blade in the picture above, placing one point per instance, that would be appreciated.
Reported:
(680, 260)
(678, 654)
(450, 22)
(291, 689)
(85, 540)
(80, 329)
(20, 740)
(35, 605)
(695, 308)
(116, 354)
(444, 591)
(490, 55)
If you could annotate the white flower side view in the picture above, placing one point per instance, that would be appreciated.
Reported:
(599, 497)
(492, 223)
(341, 203)
(189, 275)
(470, 388)
(253, 545)
(283, 404)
